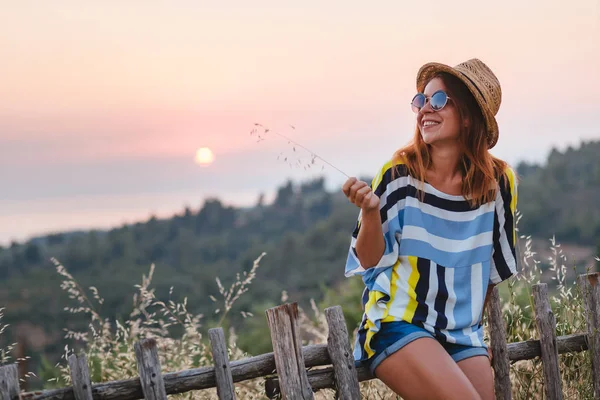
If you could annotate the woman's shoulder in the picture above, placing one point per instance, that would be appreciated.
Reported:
(390, 171)
(507, 184)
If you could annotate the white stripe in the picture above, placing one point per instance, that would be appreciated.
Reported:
(458, 216)
(390, 188)
(451, 302)
(444, 244)
(449, 337)
(432, 294)
(476, 293)
(401, 299)
(383, 281)
(355, 271)
(494, 276)
(468, 331)
(426, 208)
(427, 188)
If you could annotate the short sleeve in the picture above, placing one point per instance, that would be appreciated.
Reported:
(380, 186)
(504, 254)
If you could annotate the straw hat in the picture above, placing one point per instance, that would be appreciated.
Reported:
(482, 83)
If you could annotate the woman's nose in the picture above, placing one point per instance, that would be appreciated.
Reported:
(426, 108)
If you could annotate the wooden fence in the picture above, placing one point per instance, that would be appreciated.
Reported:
(285, 369)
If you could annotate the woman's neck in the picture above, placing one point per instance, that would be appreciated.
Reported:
(445, 163)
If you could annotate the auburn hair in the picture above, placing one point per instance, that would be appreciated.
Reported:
(480, 169)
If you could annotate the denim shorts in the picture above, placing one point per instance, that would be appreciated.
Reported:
(395, 335)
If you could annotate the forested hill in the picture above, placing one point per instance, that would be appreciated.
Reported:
(562, 197)
(305, 233)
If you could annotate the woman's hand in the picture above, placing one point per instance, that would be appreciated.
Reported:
(360, 194)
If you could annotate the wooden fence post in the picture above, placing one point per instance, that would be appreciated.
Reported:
(287, 349)
(500, 360)
(225, 388)
(9, 382)
(80, 377)
(153, 385)
(340, 352)
(546, 325)
(590, 291)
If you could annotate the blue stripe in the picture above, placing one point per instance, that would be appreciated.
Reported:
(370, 278)
(457, 230)
(413, 247)
(351, 263)
(464, 339)
(462, 288)
(485, 277)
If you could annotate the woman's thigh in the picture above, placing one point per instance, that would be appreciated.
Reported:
(423, 370)
(479, 372)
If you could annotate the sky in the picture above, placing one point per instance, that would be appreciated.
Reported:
(104, 104)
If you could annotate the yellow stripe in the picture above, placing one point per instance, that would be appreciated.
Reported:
(512, 179)
(377, 179)
(513, 182)
(393, 289)
(374, 297)
(412, 295)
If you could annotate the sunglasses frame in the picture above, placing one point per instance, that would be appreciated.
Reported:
(428, 99)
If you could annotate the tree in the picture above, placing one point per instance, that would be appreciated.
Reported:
(285, 195)
(32, 253)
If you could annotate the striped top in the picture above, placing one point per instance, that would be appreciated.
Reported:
(440, 256)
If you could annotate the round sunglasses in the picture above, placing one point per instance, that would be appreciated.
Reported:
(437, 101)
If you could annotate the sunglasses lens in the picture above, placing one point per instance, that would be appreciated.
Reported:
(438, 100)
(418, 102)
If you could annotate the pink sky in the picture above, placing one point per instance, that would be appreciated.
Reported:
(103, 104)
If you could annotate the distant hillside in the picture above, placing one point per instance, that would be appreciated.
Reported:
(305, 232)
(562, 197)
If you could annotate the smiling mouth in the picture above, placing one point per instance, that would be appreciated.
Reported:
(428, 124)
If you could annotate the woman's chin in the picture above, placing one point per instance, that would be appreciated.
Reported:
(429, 138)
(432, 138)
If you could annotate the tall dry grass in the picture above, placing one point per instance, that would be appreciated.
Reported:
(109, 344)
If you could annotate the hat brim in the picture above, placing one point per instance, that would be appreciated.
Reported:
(429, 70)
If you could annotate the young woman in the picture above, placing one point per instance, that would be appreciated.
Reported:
(435, 233)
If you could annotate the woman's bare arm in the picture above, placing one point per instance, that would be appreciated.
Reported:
(370, 244)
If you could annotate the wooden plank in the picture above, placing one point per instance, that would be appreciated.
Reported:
(322, 378)
(546, 325)
(80, 376)
(500, 360)
(590, 291)
(225, 388)
(148, 363)
(287, 349)
(9, 382)
(530, 349)
(263, 365)
(340, 352)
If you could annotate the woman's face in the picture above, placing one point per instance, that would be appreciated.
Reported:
(439, 127)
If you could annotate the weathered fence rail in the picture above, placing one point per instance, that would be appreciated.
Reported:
(286, 369)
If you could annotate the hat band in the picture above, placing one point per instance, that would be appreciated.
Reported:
(473, 83)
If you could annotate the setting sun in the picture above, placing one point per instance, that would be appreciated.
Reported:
(204, 156)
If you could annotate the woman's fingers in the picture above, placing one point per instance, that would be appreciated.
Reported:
(347, 185)
(360, 195)
(354, 189)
